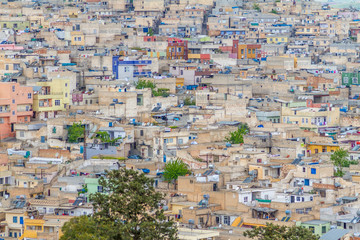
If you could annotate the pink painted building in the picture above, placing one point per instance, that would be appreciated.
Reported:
(15, 107)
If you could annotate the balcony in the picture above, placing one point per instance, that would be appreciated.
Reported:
(24, 113)
(5, 101)
(51, 108)
(5, 114)
(49, 95)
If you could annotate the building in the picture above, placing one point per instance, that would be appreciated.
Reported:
(177, 49)
(249, 51)
(130, 69)
(15, 107)
(51, 97)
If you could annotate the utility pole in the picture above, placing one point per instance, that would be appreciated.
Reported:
(84, 143)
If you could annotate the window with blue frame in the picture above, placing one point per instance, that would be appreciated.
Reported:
(313, 170)
(14, 219)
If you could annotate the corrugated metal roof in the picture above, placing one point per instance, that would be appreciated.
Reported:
(334, 234)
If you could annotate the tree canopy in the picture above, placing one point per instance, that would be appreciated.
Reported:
(237, 136)
(129, 208)
(340, 160)
(272, 231)
(141, 84)
(174, 169)
(75, 132)
(104, 137)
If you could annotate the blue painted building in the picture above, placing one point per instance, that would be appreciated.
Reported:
(130, 69)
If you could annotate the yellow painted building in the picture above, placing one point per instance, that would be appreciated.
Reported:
(14, 220)
(53, 96)
(311, 118)
(77, 38)
(179, 82)
(46, 229)
(32, 227)
(314, 148)
(8, 64)
(248, 51)
(276, 39)
(265, 171)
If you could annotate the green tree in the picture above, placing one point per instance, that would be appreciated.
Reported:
(339, 159)
(128, 209)
(104, 137)
(189, 102)
(75, 132)
(84, 228)
(163, 92)
(174, 169)
(237, 136)
(256, 7)
(141, 84)
(271, 232)
(151, 32)
(274, 11)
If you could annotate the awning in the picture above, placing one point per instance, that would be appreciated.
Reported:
(263, 200)
(276, 166)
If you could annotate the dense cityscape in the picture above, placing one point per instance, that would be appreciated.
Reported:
(179, 119)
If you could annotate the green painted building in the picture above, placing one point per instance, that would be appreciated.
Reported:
(350, 78)
(16, 25)
(92, 185)
(316, 226)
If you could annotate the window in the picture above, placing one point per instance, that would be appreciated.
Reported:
(313, 170)
(299, 211)
(29, 95)
(13, 88)
(22, 134)
(57, 102)
(298, 199)
(25, 119)
(65, 84)
(227, 220)
(13, 112)
(13, 101)
(323, 229)
(27, 108)
(201, 221)
(14, 219)
(170, 140)
(100, 189)
(141, 132)
(304, 169)
(266, 172)
(15, 25)
(180, 141)
(245, 199)
(7, 67)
